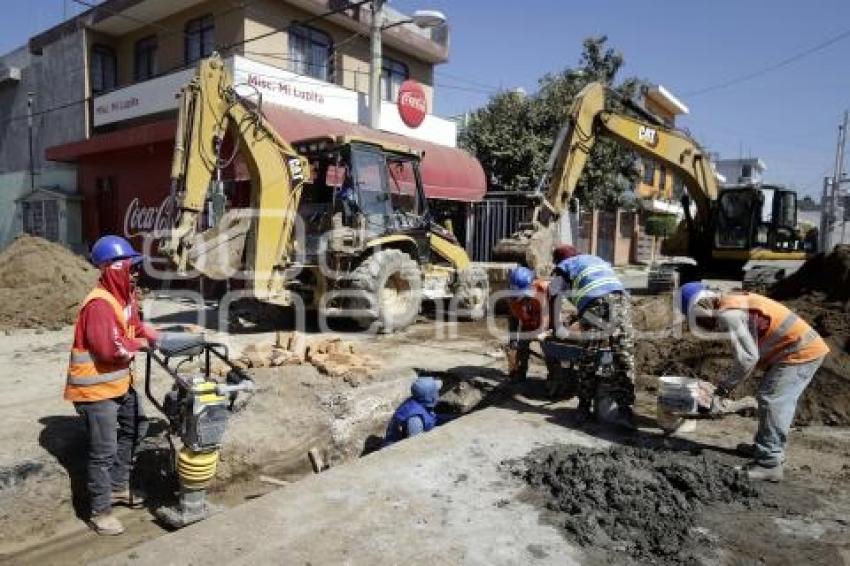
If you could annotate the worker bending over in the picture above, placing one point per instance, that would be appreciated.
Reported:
(764, 334)
(529, 317)
(107, 335)
(603, 313)
(417, 414)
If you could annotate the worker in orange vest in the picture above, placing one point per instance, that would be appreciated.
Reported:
(107, 335)
(767, 335)
(529, 317)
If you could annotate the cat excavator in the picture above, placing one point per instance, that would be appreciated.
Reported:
(336, 224)
(750, 228)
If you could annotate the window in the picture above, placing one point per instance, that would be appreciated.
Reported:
(393, 73)
(41, 218)
(746, 171)
(649, 172)
(104, 69)
(145, 64)
(311, 52)
(200, 38)
(662, 179)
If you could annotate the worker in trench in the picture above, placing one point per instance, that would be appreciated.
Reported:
(602, 322)
(528, 318)
(764, 334)
(107, 335)
(417, 414)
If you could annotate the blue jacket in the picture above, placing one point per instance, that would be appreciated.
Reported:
(589, 277)
(397, 429)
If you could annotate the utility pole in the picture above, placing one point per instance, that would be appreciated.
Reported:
(837, 176)
(30, 96)
(376, 64)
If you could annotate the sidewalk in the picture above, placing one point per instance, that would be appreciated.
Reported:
(443, 498)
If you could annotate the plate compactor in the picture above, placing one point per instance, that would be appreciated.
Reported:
(197, 408)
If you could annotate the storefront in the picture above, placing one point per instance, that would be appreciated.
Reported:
(123, 175)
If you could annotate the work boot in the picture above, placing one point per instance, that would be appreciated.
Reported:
(122, 497)
(106, 524)
(757, 472)
(748, 450)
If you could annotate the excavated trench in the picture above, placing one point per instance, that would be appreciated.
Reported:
(336, 421)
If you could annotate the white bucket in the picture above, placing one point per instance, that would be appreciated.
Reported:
(676, 396)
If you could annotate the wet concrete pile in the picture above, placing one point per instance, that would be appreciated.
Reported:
(638, 502)
(41, 284)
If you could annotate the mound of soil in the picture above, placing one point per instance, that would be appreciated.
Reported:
(640, 502)
(826, 274)
(820, 296)
(41, 284)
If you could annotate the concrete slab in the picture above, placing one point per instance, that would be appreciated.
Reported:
(443, 497)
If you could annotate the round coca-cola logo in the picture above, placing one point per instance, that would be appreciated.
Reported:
(412, 104)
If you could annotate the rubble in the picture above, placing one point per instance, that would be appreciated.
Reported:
(41, 284)
(331, 356)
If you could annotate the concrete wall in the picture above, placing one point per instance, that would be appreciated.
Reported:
(57, 77)
(351, 57)
(171, 44)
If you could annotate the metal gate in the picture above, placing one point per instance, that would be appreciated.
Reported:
(490, 221)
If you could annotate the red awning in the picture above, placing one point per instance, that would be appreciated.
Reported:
(447, 173)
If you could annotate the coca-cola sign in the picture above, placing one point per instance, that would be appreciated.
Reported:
(140, 219)
(412, 104)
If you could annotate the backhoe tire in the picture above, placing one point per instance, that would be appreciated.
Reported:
(472, 293)
(391, 282)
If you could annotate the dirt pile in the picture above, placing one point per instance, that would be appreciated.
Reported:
(41, 284)
(638, 502)
(826, 274)
(826, 400)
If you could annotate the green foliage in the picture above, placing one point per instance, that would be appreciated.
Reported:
(514, 133)
(661, 225)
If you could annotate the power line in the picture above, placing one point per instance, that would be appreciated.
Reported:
(773, 67)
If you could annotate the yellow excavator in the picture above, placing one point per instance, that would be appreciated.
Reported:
(336, 224)
(723, 231)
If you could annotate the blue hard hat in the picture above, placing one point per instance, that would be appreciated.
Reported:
(426, 390)
(112, 248)
(520, 279)
(688, 293)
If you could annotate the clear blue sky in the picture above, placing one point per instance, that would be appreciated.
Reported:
(788, 117)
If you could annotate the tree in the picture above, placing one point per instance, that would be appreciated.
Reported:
(513, 134)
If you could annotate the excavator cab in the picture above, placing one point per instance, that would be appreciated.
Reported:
(756, 217)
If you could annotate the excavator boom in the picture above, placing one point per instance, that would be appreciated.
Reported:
(210, 108)
(588, 119)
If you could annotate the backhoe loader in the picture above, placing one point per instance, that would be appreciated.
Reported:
(337, 224)
(723, 230)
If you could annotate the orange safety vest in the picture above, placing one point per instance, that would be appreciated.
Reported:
(788, 339)
(91, 380)
(532, 312)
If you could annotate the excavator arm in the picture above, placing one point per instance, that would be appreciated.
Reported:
(587, 120)
(209, 109)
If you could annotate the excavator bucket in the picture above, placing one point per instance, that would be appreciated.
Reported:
(529, 247)
(217, 253)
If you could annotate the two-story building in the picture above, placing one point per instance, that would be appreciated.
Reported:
(658, 186)
(310, 65)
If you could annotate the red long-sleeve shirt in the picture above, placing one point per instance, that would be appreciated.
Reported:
(99, 330)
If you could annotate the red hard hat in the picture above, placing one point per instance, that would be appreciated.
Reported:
(562, 252)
